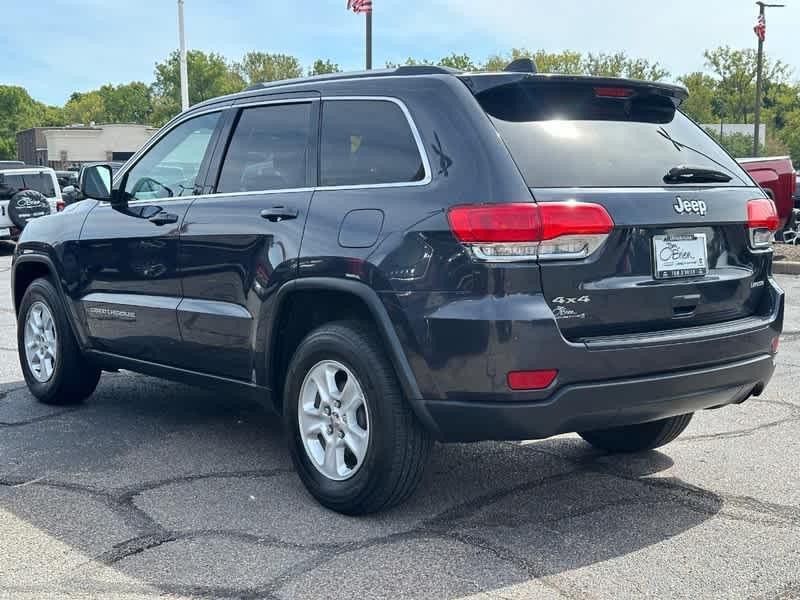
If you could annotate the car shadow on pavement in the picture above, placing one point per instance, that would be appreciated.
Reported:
(153, 487)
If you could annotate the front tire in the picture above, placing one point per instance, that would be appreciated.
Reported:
(635, 438)
(54, 367)
(357, 446)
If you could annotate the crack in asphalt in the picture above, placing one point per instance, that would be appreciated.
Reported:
(38, 419)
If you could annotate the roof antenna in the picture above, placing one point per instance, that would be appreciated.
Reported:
(521, 65)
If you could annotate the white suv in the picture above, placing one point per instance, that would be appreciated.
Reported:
(25, 194)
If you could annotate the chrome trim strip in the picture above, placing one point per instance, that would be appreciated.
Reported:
(409, 119)
(140, 300)
(280, 101)
(215, 308)
(225, 195)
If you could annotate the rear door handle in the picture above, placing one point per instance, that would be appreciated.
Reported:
(279, 213)
(163, 218)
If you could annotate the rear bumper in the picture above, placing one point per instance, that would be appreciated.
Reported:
(598, 405)
(462, 349)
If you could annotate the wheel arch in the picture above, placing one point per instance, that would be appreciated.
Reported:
(362, 301)
(26, 269)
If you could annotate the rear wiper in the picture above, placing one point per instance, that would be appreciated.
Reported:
(692, 174)
(680, 146)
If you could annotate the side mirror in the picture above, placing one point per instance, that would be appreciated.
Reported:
(96, 182)
(69, 189)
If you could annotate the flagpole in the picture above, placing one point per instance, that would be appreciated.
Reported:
(759, 79)
(369, 40)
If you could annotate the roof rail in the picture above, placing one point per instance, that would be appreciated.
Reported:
(405, 70)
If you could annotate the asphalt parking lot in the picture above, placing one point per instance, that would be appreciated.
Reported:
(155, 489)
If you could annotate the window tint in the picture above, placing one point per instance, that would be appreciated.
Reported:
(11, 183)
(171, 166)
(367, 142)
(565, 136)
(268, 150)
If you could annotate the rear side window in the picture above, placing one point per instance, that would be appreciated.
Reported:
(367, 142)
(567, 135)
(268, 150)
(11, 183)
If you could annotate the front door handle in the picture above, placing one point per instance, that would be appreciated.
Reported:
(163, 218)
(279, 213)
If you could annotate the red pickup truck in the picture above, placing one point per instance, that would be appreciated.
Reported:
(776, 175)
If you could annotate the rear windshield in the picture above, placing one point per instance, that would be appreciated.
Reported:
(564, 135)
(11, 183)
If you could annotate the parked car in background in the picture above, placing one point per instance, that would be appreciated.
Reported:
(72, 192)
(26, 194)
(397, 256)
(777, 176)
(11, 164)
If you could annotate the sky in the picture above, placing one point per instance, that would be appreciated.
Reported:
(60, 46)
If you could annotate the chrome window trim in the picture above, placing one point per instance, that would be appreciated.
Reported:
(367, 186)
(426, 165)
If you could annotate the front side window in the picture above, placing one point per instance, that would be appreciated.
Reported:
(367, 142)
(268, 150)
(170, 168)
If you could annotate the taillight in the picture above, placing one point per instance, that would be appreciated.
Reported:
(762, 222)
(59, 205)
(527, 231)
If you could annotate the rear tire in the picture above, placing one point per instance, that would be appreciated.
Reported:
(385, 467)
(66, 378)
(635, 438)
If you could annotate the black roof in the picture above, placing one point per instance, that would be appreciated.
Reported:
(475, 81)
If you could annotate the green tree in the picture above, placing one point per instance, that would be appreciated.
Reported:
(410, 62)
(790, 135)
(462, 62)
(19, 111)
(736, 74)
(85, 108)
(620, 64)
(568, 62)
(127, 103)
(8, 149)
(700, 104)
(739, 145)
(209, 76)
(323, 67)
(259, 67)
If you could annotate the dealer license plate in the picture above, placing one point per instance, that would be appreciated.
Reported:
(680, 255)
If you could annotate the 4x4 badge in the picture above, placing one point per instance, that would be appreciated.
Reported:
(689, 206)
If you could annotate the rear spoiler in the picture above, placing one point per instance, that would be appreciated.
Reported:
(480, 82)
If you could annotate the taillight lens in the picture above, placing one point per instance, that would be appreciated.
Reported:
(527, 231)
(496, 223)
(762, 222)
(59, 205)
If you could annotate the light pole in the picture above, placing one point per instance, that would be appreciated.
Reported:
(183, 69)
(759, 82)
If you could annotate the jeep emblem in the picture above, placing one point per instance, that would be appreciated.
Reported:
(697, 207)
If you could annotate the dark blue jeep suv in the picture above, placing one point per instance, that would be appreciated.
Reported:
(395, 257)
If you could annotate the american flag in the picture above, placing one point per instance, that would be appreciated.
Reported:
(761, 28)
(360, 6)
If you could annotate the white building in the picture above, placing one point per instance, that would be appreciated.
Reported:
(731, 128)
(65, 147)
